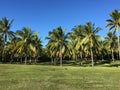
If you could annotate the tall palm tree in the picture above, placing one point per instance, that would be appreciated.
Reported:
(76, 41)
(91, 38)
(5, 31)
(57, 39)
(26, 42)
(110, 41)
(37, 50)
(114, 24)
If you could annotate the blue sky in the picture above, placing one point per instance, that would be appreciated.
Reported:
(45, 15)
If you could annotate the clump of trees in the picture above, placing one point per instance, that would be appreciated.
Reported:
(22, 45)
(82, 43)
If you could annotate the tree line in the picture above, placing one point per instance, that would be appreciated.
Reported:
(82, 43)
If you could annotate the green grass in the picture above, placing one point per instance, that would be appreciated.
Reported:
(40, 77)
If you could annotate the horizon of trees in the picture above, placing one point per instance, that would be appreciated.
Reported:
(82, 43)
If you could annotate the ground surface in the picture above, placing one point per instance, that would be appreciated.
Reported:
(41, 77)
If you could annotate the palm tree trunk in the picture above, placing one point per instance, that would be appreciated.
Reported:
(21, 59)
(17, 60)
(36, 58)
(26, 60)
(112, 55)
(76, 58)
(54, 61)
(81, 55)
(60, 55)
(11, 58)
(92, 57)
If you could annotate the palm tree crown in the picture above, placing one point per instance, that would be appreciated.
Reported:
(5, 26)
(114, 22)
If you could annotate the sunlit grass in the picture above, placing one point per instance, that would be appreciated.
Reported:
(38, 77)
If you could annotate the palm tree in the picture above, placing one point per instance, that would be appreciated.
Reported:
(26, 42)
(110, 41)
(37, 50)
(114, 23)
(57, 40)
(76, 41)
(5, 26)
(91, 38)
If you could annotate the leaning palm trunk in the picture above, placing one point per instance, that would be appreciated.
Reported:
(92, 57)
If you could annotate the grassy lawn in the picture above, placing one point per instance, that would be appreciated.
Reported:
(39, 77)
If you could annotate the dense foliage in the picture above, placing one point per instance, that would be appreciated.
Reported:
(81, 44)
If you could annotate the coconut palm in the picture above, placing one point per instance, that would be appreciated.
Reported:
(91, 39)
(57, 40)
(37, 50)
(110, 41)
(26, 42)
(76, 41)
(114, 24)
(5, 31)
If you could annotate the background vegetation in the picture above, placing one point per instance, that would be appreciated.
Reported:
(82, 44)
